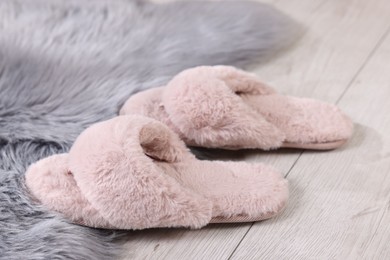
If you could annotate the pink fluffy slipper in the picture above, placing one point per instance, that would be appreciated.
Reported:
(223, 107)
(133, 172)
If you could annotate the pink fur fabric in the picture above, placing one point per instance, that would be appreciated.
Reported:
(133, 172)
(223, 107)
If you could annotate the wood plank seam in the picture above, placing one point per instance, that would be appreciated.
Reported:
(347, 87)
(369, 56)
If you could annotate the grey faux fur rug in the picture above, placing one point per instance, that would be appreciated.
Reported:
(67, 64)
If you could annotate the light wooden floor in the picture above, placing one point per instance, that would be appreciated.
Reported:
(340, 200)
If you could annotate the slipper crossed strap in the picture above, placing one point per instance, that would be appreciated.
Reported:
(223, 107)
(133, 172)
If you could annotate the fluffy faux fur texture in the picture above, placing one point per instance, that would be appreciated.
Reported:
(133, 172)
(224, 107)
(30, 232)
(67, 64)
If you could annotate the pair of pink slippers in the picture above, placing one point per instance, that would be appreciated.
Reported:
(135, 171)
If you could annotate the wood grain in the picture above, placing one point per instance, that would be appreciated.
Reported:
(339, 200)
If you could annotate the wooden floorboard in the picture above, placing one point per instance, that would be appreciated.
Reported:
(340, 200)
(329, 199)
